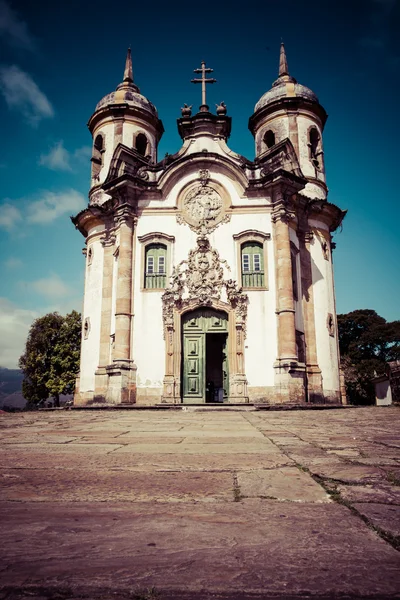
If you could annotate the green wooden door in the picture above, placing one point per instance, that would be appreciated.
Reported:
(196, 325)
(225, 368)
(194, 364)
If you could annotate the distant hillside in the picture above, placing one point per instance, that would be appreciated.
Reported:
(11, 388)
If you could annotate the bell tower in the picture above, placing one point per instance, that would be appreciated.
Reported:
(126, 117)
(291, 110)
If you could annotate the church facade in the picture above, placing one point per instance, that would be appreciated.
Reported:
(209, 276)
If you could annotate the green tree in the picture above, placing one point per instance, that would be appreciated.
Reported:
(367, 342)
(65, 357)
(51, 358)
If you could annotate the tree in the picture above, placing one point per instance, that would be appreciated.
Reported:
(51, 359)
(367, 341)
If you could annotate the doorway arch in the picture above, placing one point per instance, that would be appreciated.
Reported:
(174, 321)
(205, 362)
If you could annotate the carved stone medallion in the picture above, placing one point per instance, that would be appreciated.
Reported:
(203, 207)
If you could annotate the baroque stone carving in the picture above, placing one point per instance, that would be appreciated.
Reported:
(201, 277)
(203, 208)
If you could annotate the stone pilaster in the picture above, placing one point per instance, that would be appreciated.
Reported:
(122, 373)
(314, 377)
(101, 377)
(289, 375)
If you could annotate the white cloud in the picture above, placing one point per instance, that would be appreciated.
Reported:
(13, 263)
(9, 216)
(53, 205)
(60, 159)
(15, 323)
(13, 29)
(57, 159)
(52, 287)
(14, 326)
(21, 93)
(83, 154)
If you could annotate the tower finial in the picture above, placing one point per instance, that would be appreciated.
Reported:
(283, 66)
(128, 73)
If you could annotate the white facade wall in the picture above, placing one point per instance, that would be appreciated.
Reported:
(313, 190)
(279, 124)
(92, 310)
(324, 305)
(107, 130)
(261, 341)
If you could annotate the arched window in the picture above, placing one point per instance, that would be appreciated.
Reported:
(295, 278)
(269, 139)
(155, 267)
(141, 144)
(314, 145)
(252, 256)
(97, 156)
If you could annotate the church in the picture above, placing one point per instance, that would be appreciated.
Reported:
(208, 275)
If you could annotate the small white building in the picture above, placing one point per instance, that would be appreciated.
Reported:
(209, 276)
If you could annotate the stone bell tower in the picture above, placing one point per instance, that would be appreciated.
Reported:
(302, 222)
(124, 123)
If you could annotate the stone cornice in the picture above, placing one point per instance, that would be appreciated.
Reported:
(324, 211)
(118, 111)
(295, 103)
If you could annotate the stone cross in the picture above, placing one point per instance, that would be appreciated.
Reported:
(203, 80)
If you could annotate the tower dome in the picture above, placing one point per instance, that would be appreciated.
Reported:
(285, 86)
(127, 92)
(292, 110)
(125, 117)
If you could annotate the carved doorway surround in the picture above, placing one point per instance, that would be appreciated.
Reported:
(199, 283)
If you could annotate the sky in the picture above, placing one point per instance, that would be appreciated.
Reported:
(58, 59)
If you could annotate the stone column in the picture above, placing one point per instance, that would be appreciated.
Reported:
(101, 377)
(314, 377)
(106, 302)
(121, 387)
(123, 311)
(289, 375)
(284, 301)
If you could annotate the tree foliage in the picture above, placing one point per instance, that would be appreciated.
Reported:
(50, 362)
(367, 342)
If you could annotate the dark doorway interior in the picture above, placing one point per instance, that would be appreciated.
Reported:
(215, 344)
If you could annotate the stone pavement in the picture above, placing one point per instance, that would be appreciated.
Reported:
(200, 504)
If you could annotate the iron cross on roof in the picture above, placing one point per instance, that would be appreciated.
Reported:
(203, 81)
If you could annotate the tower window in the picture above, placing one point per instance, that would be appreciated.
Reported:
(314, 146)
(295, 277)
(141, 144)
(155, 266)
(269, 139)
(97, 156)
(252, 265)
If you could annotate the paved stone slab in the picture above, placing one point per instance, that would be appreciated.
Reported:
(281, 484)
(134, 499)
(384, 494)
(383, 516)
(258, 547)
(44, 485)
(347, 472)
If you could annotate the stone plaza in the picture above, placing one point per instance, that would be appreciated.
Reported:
(193, 503)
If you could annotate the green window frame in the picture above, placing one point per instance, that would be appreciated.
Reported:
(155, 277)
(252, 260)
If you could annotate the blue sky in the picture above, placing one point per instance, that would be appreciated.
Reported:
(58, 59)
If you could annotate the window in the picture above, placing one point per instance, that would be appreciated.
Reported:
(314, 146)
(97, 156)
(252, 265)
(141, 144)
(295, 279)
(269, 139)
(155, 267)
